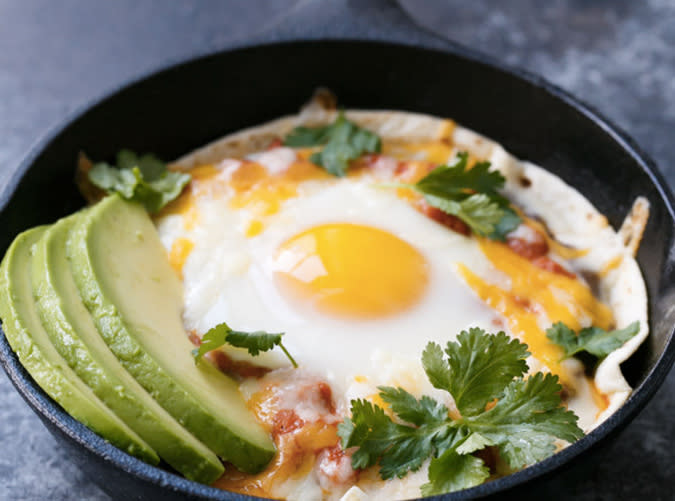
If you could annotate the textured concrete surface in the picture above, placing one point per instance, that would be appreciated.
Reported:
(617, 55)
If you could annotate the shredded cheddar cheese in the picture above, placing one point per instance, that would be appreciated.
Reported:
(249, 185)
(180, 250)
(612, 264)
(437, 151)
(254, 188)
(559, 249)
(185, 204)
(522, 321)
(254, 228)
(537, 298)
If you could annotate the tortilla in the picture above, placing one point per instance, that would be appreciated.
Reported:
(570, 218)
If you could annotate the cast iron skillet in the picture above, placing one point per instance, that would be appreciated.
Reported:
(185, 106)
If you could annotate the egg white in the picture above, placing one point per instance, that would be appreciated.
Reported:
(229, 278)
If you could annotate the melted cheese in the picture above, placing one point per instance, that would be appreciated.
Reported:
(612, 264)
(522, 320)
(555, 246)
(180, 250)
(258, 191)
(437, 151)
(201, 184)
(248, 185)
(297, 448)
(564, 299)
(295, 459)
(255, 227)
(537, 298)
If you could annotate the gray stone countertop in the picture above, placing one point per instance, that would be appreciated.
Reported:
(619, 56)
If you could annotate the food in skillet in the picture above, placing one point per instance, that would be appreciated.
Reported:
(357, 305)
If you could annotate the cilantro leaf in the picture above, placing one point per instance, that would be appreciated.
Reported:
(399, 448)
(369, 425)
(335, 157)
(509, 222)
(478, 211)
(594, 340)
(254, 342)
(436, 366)
(366, 141)
(150, 166)
(479, 366)
(523, 424)
(474, 442)
(470, 194)
(526, 420)
(343, 142)
(409, 409)
(452, 472)
(375, 434)
(142, 179)
(457, 180)
(308, 136)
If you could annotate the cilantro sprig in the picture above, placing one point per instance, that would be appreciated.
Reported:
(342, 141)
(143, 179)
(254, 342)
(523, 420)
(470, 194)
(593, 340)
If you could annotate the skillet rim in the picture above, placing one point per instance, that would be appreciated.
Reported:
(48, 409)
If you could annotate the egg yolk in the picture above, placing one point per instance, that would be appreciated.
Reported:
(350, 270)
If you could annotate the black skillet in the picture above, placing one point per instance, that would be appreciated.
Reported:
(185, 106)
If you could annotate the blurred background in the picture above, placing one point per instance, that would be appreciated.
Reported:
(616, 55)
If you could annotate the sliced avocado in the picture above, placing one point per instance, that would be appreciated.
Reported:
(30, 342)
(125, 280)
(74, 335)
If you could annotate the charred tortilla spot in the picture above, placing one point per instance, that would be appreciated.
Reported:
(593, 280)
(324, 98)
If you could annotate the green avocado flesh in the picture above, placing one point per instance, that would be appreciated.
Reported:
(136, 301)
(74, 335)
(31, 343)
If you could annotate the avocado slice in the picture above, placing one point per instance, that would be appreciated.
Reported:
(30, 342)
(136, 300)
(74, 335)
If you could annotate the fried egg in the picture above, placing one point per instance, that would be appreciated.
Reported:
(348, 270)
